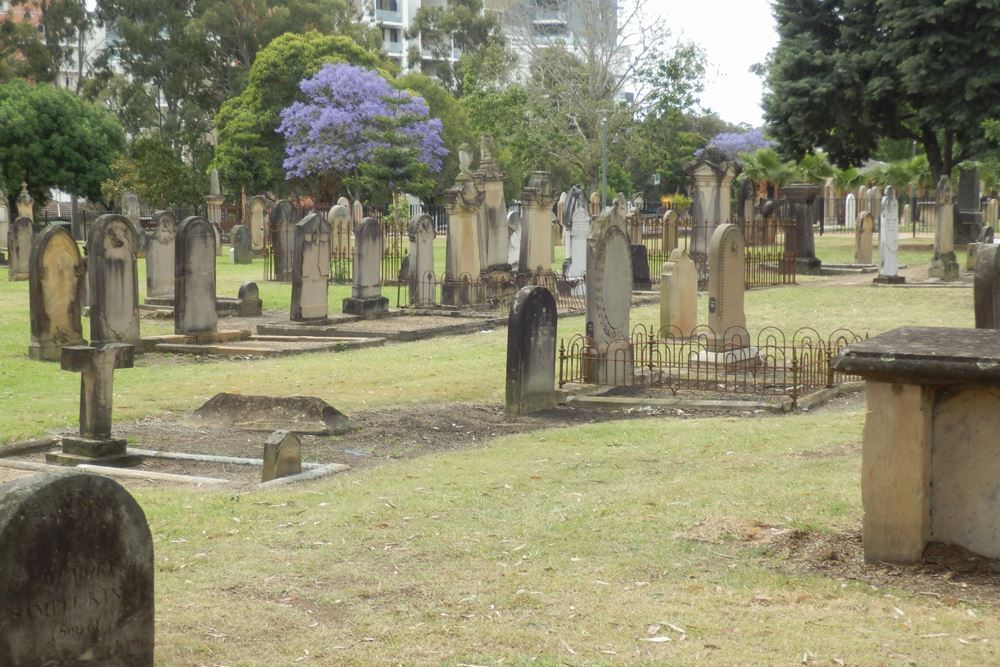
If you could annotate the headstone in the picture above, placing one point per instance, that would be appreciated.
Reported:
(850, 210)
(992, 217)
(557, 236)
(678, 295)
(341, 253)
(888, 236)
(944, 265)
(986, 287)
(56, 272)
(609, 294)
(25, 204)
(95, 444)
(422, 280)
(830, 212)
(19, 241)
(248, 299)
(282, 221)
(595, 204)
(803, 204)
(160, 255)
(114, 281)
(258, 221)
(970, 216)
(213, 207)
(462, 268)
(282, 454)
(366, 292)
(864, 204)
(875, 202)
(76, 574)
(711, 199)
(669, 231)
(242, 245)
(493, 236)
(311, 269)
(726, 286)
(531, 351)
(513, 238)
(358, 213)
(578, 220)
(863, 238)
(4, 219)
(536, 232)
(641, 280)
(130, 208)
(194, 273)
(345, 202)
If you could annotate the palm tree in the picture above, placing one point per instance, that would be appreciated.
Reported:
(764, 167)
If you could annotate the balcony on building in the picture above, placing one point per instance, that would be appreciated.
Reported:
(387, 11)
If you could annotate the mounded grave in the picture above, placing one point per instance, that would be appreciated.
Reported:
(76, 574)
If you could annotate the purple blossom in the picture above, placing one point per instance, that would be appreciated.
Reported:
(332, 129)
(731, 144)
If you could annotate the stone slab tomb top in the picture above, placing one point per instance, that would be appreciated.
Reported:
(926, 355)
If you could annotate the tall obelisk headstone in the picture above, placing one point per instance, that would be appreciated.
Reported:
(888, 236)
(462, 268)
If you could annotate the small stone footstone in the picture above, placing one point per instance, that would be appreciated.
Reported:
(282, 456)
(76, 574)
(249, 303)
(95, 444)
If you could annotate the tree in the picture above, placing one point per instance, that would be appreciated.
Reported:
(354, 128)
(52, 139)
(55, 46)
(849, 73)
(154, 172)
(250, 151)
(764, 166)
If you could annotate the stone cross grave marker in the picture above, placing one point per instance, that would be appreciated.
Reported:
(282, 456)
(944, 265)
(160, 255)
(863, 230)
(366, 291)
(282, 222)
(531, 351)
(19, 240)
(76, 574)
(113, 275)
(678, 295)
(888, 236)
(609, 293)
(242, 245)
(56, 272)
(726, 286)
(194, 272)
(95, 444)
(311, 269)
(422, 280)
(258, 221)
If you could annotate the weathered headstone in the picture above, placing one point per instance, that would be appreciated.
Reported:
(970, 216)
(462, 268)
(513, 238)
(113, 275)
(850, 210)
(194, 272)
(76, 574)
(726, 287)
(25, 204)
(944, 265)
(863, 202)
(422, 280)
(56, 271)
(641, 280)
(678, 295)
(578, 219)
(358, 213)
(669, 231)
(875, 202)
(493, 232)
(311, 269)
(609, 295)
(830, 212)
(282, 221)
(341, 254)
(803, 204)
(536, 230)
(888, 237)
(258, 221)
(242, 245)
(248, 300)
(4, 219)
(595, 204)
(160, 255)
(130, 208)
(19, 241)
(986, 287)
(531, 351)
(711, 199)
(282, 454)
(366, 291)
(863, 230)
(991, 217)
(95, 443)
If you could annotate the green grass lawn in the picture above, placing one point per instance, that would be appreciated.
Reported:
(622, 542)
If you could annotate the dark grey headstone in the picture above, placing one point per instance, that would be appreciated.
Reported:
(969, 217)
(986, 287)
(242, 245)
(194, 274)
(531, 351)
(282, 220)
(803, 208)
(114, 281)
(640, 268)
(76, 574)
(250, 303)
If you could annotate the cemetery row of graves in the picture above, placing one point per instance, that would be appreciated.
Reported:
(563, 543)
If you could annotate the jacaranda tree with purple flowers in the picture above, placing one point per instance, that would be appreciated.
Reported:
(354, 130)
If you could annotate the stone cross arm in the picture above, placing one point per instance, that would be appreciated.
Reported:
(84, 358)
(97, 365)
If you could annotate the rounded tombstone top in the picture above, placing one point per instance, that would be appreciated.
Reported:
(283, 211)
(248, 291)
(112, 234)
(421, 225)
(338, 212)
(345, 202)
(195, 224)
(369, 229)
(312, 222)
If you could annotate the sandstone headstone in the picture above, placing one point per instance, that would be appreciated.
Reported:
(864, 204)
(888, 236)
(339, 218)
(76, 574)
(863, 230)
(536, 231)
(194, 272)
(944, 265)
(282, 454)
(678, 295)
(311, 269)
(25, 204)
(609, 291)
(462, 268)
(258, 221)
(242, 245)
(422, 280)
(595, 204)
(531, 351)
(875, 202)
(19, 241)
(830, 212)
(711, 199)
(669, 231)
(160, 255)
(358, 213)
(282, 221)
(114, 281)
(366, 291)
(726, 286)
(493, 236)
(56, 272)
(4, 219)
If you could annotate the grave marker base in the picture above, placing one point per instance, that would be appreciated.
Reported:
(889, 280)
(111, 452)
(371, 306)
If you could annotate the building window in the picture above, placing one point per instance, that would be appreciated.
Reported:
(388, 5)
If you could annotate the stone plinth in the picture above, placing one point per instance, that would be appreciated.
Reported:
(929, 463)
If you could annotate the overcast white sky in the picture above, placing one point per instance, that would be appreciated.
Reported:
(735, 34)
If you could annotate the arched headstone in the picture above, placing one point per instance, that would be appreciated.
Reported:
(282, 222)
(888, 237)
(258, 221)
(863, 230)
(194, 272)
(113, 275)
(19, 241)
(727, 262)
(242, 245)
(160, 255)
(609, 292)
(311, 269)
(578, 218)
(422, 280)
(531, 351)
(366, 292)
(339, 218)
(850, 210)
(56, 273)
(678, 295)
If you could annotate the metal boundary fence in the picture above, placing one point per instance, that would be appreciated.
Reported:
(465, 292)
(770, 364)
